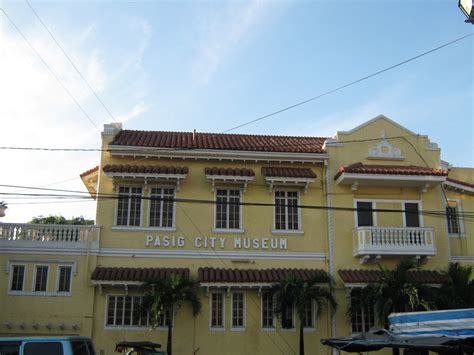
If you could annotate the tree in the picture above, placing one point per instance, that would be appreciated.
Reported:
(394, 292)
(61, 220)
(458, 291)
(296, 292)
(170, 294)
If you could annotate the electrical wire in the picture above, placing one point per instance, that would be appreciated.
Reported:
(50, 70)
(71, 61)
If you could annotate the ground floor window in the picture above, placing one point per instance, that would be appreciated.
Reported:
(217, 310)
(287, 318)
(238, 310)
(127, 311)
(364, 318)
(308, 320)
(267, 310)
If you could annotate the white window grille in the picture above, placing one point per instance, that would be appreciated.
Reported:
(129, 206)
(286, 210)
(41, 278)
(227, 209)
(238, 309)
(267, 310)
(364, 318)
(64, 283)
(161, 207)
(217, 310)
(18, 278)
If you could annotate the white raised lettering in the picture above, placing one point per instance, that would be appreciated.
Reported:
(283, 243)
(274, 243)
(180, 242)
(166, 241)
(246, 243)
(256, 243)
(198, 242)
(265, 243)
(213, 240)
(148, 240)
(157, 241)
(222, 240)
(237, 243)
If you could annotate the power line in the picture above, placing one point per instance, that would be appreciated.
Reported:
(50, 70)
(71, 61)
(349, 84)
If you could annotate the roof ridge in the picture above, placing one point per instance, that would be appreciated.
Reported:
(226, 134)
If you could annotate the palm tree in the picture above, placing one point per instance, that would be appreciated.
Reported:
(394, 292)
(458, 291)
(294, 291)
(169, 295)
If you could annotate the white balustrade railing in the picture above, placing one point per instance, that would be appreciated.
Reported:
(49, 233)
(395, 241)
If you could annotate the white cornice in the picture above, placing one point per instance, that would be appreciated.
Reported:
(214, 154)
(200, 254)
(458, 187)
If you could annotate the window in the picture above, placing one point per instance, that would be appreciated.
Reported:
(129, 206)
(18, 277)
(238, 310)
(308, 320)
(41, 348)
(267, 310)
(365, 216)
(412, 217)
(217, 310)
(64, 281)
(161, 207)
(127, 311)
(286, 210)
(41, 279)
(10, 347)
(452, 216)
(287, 318)
(227, 209)
(364, 318)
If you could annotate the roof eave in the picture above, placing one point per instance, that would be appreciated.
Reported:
(217, 154)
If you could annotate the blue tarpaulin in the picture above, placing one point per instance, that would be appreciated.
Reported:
(454, 323)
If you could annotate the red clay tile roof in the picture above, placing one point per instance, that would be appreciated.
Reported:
(229, 171)
(208, 274)
(90, 171)
(460, 182)
(146, 169)
(369, 276)
(359, 168)
(242, 142)
(305, 173)
(135, 274)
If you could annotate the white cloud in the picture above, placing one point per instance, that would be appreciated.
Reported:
(37, 112)
(221, 33)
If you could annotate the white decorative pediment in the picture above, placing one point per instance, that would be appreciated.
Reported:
(385, 150)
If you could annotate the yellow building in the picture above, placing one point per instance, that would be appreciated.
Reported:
(157, 214)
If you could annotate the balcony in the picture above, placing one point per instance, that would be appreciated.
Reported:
(64, 239)
(377, 242)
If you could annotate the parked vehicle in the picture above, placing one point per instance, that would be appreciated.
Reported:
(139, 348)
(50, 345)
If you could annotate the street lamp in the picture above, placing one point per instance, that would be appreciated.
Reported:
(466, 8)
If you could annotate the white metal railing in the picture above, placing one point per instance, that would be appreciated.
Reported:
(395, 241)
(49, 233)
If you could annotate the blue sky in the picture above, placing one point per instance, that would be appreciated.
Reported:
(213, 65)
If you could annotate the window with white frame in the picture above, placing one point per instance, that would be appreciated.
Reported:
(17, 278)
(217, 310)
(286, 210)
(129, 206)
(41, 278)
(365, 216)
(267, 310)
(364, 317)
(308, 318)
(64, 279)
(453, 218)
(287, 318)
(127, 311)
(412, 214)
(238, 309)
(161, 207)
(227, 209)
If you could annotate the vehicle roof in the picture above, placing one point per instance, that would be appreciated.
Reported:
(44, 338)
